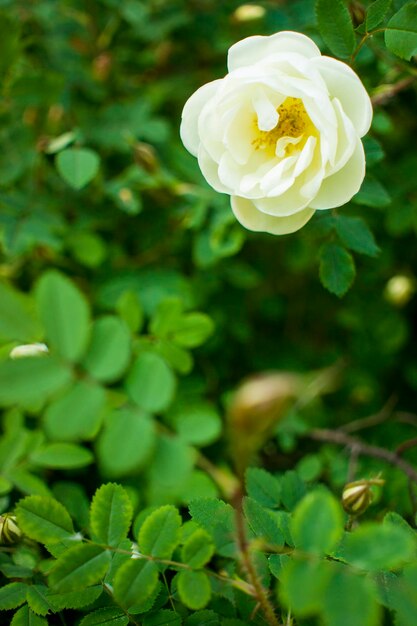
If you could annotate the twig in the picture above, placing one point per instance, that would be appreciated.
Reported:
(385, 92)
(363, 449)
(372, 420)
(406, 445)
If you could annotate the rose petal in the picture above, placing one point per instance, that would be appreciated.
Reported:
(253, 219)
(339, 188)
(191, 112)
(253, 49)
(345, 85)
(210, 169)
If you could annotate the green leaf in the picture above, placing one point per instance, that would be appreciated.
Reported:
(172, 465)
(126, 443)
(162, 618)
(403, 596)
(375, 547)
(217, 518)
(65, 315)
(194, 589)
(262, 522)
(372, 193)
(44, 519)
(197, 423)
(12, 595)
(160, 533)
(401, 32)
(26, 617)
(377, 13)
(109, 352)
(135, 583)
(31, 381)
(62, 456)
(110, 514)
(74, 599)
(77, 414)
(166, 318)
(303, 585)
(109, 616)
(317, 523)
(337, 269)
(192, 330)
(356, 235)
(198, 549)
(77, 166)
(335, 26)
(293, 489)
(263, 487)
(350, 599)
(79, 567)
(17, 319)
(151, 383)
(130, 310)
(38, 601)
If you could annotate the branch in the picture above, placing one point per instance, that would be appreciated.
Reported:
(363, 449)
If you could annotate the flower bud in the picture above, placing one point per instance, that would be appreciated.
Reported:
(29, 350)
(357, 496)
(9, 531)
(399, 289)
(248, 12)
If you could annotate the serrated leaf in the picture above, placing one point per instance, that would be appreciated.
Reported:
(77, 166)
(74, 599)
(79, 567)
(317, 523)
(303, 585)
(44, 519)
(110, 514)
(134, 583)
(65, 315)
(26, 617)
(217, 518)
(372, 193)
(198, 549)
(38, 601)
(209, 618)
(377, 13)
(151, 383)
(337, 269)
(17, 319)
(31, 381)
(335, 26)
(262, 522)
(108, 616)
(12, 595)
(401, 32)
(194, 589)
(356, 235)
(62, 456)
(162, 618)
(160, 533)
(109, 352)
(263, 487)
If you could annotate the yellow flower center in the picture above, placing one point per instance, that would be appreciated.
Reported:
(293, 122)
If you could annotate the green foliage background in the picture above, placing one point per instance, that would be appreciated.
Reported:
(155, 303)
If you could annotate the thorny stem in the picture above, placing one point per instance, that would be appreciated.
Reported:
(362, 42)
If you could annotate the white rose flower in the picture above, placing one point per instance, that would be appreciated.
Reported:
(280, 132)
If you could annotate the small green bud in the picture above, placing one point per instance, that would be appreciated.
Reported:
(9, 530)
(357, 496)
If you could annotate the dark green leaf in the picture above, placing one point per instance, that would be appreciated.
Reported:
(194, 589)
(350, 599)
(262, 522)
(162, 618)
(372, 193)
(79, 567)
(376, 13)
(160, 533)
(109, 616)
(26, 617)
(217, 518)
(38, 601)
(401, 32)
(12, 595)
(356, 235)
(44, 519)
(135, 583)
(337, 269)
(109, 352)
(336, 28)
(263, 487)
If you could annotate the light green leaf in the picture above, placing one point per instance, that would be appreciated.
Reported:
(350, 599)
(26, 617)
(77, 414)
(335, 26)
(375, 547)
(401, 32)
(88, 248)
(109, 616)
(377, 13)
(31, 381)
(130, 310)
(126, 443)
(77, 166)
(160, 533)
(135, 583)
(110, 514)
(337, 269)
(197, 423)
(74, 599)
(109, 352)
(17, 319)
(65, 315)
(194, 589)
(44, 519)
(62, 456)
(79, 567)
(151, 383)
(262, 522)
(38, 601)
(263, 487)
(217, 518)
(12, 595)
(303, 585)
(198, 549)
(356, 235)
(166, 318)
(192, 330)
(172, 464)
(317, 523)
(162, 618)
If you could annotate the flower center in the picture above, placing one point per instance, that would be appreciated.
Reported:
(294, 122)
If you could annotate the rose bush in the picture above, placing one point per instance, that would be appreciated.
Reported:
(280, 132)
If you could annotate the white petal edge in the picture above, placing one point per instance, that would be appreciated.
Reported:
(339, 188)
(210, 171)
(344, 84)
(191, 112)
(251, 218)
(252, 49)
